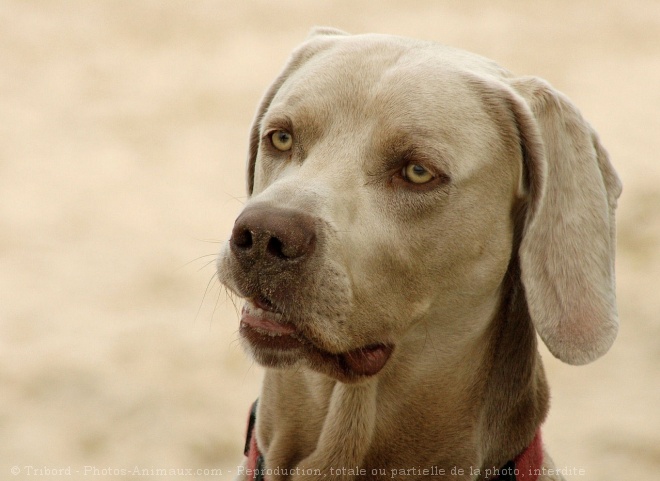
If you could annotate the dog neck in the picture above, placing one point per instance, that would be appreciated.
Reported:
(471, 406)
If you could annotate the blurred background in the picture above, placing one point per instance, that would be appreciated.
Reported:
(123, 132)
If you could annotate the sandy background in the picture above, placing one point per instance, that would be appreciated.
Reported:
(123, 131)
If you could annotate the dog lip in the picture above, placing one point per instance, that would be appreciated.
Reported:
(263, 303)
(266, 321)
(367, 360)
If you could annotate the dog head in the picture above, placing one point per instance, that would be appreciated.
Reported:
(391, 183)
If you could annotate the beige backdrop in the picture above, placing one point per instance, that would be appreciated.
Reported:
(123, 130)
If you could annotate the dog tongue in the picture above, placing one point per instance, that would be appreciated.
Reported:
(367, 361)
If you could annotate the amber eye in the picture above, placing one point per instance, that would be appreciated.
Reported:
(416, 174)
(282, 140)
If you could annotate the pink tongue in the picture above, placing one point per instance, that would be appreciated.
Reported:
(265, 324)
(367, 361)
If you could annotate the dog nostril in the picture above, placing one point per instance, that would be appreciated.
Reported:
(290, 248)
(274, 248)
(242, 239)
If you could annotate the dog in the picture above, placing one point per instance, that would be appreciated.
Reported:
(416, 215)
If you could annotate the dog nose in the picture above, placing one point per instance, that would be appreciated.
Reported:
(269, 234)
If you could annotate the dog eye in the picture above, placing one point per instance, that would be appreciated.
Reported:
(416, 174)
(281, 140)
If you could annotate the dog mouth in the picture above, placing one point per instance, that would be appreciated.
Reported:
(274, 340)
(262, 325)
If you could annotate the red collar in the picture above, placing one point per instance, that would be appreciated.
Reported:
(524, 467)
(255, 461)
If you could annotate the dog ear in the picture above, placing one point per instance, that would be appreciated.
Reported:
(568, 242)
(317, 40)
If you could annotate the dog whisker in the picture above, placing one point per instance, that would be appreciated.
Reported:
(182, 266)
(206, 291)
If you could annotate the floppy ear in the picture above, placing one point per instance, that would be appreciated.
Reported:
(568, 244)
(299, 56)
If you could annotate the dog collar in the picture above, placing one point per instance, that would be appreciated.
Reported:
(255, 460)
(524, 467)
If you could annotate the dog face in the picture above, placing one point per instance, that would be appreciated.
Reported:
(384, 179)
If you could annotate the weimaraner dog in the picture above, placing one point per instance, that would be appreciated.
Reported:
(416, 215)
